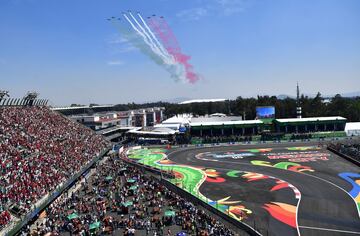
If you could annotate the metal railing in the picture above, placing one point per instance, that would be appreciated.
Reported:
(23, 102)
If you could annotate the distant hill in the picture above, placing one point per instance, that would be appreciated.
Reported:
(348, 95)
(176, 100)
(353, 94)
(284, 96)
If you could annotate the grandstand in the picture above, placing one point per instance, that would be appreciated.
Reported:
(222, 127)
(44, 153)
(41, 153)
(115, 133)
(102, 120)
(74, 110)
(311, 124)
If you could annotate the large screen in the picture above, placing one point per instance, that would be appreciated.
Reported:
(265, 112)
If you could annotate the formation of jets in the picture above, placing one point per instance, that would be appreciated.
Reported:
(113, 17)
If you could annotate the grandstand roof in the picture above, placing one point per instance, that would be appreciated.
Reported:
(180, 119)
(217, 115)
(79, 107)
(237, 122)
(203, 100)
(156, 131)
(205, 119)
(170, 125)
(114, 128)
(310, 119)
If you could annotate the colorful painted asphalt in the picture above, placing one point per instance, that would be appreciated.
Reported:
(261, 186)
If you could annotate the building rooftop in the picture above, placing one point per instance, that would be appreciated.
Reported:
(352, 126)
(203, 100)
(237, 122)
(311, 119)
(205, 119)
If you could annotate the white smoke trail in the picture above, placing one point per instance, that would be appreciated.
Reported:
(141, 41)
(175, 69)
(162, 48)
(155, 50)
(149, 39)
(137, 41)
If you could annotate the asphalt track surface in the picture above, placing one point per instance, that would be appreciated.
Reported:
(325, 206)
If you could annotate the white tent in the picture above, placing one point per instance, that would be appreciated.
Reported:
(352, 129)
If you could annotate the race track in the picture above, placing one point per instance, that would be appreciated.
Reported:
(287, 189)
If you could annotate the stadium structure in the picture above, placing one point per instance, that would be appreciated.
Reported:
(91, 170)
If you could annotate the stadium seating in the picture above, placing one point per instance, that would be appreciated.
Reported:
(350, 148)
(119, 199)
(39, 150)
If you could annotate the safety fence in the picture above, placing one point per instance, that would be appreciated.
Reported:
(23, 102)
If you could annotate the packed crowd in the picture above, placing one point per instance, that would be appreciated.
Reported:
(39, 150)
(350, 148)
(119, 199)
(4, 218)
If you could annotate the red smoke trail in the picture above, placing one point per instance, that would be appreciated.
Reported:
(171, 44)
(169, 35)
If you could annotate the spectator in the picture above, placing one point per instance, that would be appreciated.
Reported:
(349, 148)
(39, 150)
(125, 201)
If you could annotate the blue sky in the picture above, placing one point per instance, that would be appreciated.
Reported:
(69, 53)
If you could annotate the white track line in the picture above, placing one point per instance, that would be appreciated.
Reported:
(298, 202)
(297, 211)
(329, 182)
(333, 230)
(313, 176)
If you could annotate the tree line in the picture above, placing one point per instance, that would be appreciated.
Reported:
(246, 107)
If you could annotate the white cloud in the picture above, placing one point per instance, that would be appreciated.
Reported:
(214, 8)
(193, 13)
(118, 40)
(126, 48)
(230, 7)
(232, 10)
(116, 63)
(119, 44)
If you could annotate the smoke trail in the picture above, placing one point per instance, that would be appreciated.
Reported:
(155, 25)
(143, 36)
(181, 57)
(167, 54)
(173, 67)
(170, 65)
(154, 37)
(174, 51)
(171, 44)
(150, 41)
(169, 34)
(136, 41)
